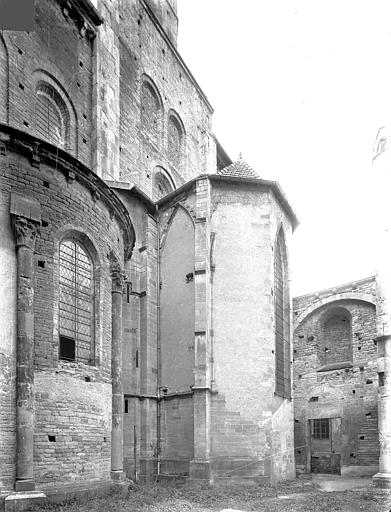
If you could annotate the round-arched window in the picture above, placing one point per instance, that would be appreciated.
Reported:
(51, 116)
(76, 304)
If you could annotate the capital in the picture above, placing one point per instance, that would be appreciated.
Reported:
(117, 278)
(25, 230)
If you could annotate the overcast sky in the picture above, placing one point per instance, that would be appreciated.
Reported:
(300, 87)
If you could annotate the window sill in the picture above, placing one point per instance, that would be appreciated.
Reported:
(335, 366)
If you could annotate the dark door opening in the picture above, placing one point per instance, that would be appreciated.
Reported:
(325, 445)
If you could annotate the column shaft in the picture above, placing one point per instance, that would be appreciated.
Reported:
(25, 241)
(383, 478)
(116, 378)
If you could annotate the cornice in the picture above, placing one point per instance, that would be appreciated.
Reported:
(84, 15)
(176, 54)
(39, 151)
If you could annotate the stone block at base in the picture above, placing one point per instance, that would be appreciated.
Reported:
(24, 485)
(382, 480)
(117, 476)
(80, 491)
(359, 470)
(20, 501)
(120, 488)
(200, 470)
(148, 471)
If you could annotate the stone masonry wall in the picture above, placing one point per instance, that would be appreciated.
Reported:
(177, 308)
(252, 433)
(7, 341)
(72, 400)
(140, 359)
(177, 441)
(338, 389)
(146, 54)
(56, 50)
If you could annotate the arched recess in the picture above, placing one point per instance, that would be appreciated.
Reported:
(176, 328)
(336, 343)
(55, 116)
(282, 318)
(4, 81)
(151, 110)
(162, 183)
(363, 297)
(177, 302)
(176, 138)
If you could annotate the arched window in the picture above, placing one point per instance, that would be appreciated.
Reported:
(76, 304)
(150, 112)
(51, 116)
(337, 337)
(175, 141)
(162, 183)
(281, 320)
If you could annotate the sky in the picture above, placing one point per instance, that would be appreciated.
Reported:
(300, 88)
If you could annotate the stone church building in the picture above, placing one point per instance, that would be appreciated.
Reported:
(145, 310)
(140, 265)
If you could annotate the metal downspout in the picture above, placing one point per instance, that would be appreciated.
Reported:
(158, 395)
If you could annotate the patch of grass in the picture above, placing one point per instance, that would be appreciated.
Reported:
(295, 496)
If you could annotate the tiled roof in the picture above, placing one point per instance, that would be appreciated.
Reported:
(239, 169)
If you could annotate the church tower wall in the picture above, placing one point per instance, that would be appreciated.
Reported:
(55, 61)
(165, 116)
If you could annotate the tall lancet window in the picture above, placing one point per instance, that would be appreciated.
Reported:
(281, 319)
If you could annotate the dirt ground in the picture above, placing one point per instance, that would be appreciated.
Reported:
(296, 496)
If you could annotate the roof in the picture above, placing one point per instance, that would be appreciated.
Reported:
(237, 179)
(222, 157)
(239, 169)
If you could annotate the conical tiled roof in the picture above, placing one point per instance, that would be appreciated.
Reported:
(239, 169)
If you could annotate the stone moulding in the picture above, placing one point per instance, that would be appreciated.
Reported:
(176, 54)
(357, 296)
(26, 145)
(84, 15)
(256, 183)
(335, 366)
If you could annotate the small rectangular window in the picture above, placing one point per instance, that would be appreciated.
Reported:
(67, 348)
(126, 406)
(381, 379)
(320, 428)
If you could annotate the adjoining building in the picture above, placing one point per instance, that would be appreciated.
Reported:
(342, 360)
(335, 381)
